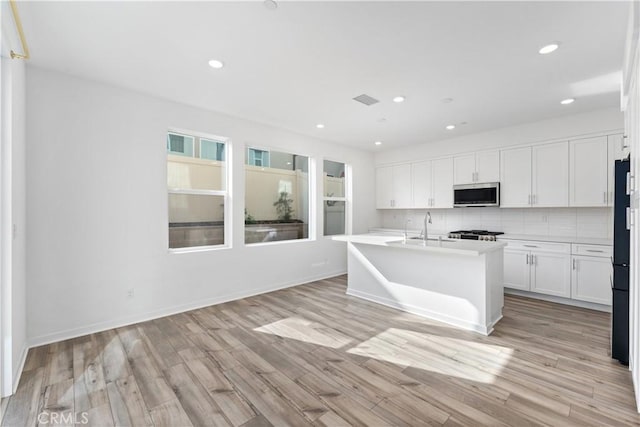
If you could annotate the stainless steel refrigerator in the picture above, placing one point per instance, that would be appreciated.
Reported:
(620, 282)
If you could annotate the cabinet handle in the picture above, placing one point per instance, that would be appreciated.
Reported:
(529, 199)
(622, 142)
(593, 250)
(530, 246)
(533, 199)
(604, 197)
(527, 259)
(533, 259)
(574, 263)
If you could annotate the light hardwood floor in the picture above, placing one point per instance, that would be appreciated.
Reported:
(313, 355)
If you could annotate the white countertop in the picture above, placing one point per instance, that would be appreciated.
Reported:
(452, 246)
(508, 236)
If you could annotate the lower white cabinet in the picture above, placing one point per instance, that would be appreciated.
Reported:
(536, 271)
(517, 274)
(550, 274)
(577, 271)
(591, 279)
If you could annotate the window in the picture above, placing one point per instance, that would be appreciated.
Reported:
(181, 145)
(258, 158)
(335, 201)
(197, 190)
(276, 196)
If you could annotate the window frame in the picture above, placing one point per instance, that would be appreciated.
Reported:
(226, 193)
(311, 189)
(200, 139)
(346, 199)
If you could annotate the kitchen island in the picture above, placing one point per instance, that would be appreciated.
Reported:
(458, 282)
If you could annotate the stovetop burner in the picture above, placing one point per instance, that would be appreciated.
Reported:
(475, 235)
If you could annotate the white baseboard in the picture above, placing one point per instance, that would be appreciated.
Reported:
(474, 327)
(143, 317)
(559, 300)
(18, 372)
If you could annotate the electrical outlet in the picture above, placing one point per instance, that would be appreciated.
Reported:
(130, 293)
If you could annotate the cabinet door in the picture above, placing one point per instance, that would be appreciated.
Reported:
(516, 270)
(588, 172)
(421, 178)
(591, 279)
(617, 151)
(402, 187)
(442, 179)
(551, 274)
(384, 187)
(488, 166)
(515, 177)
(464, 169)
(550, 177)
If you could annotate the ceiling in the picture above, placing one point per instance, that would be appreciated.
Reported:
(302, 64)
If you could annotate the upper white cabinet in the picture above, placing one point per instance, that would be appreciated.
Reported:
(483, 166)
(535, 176)
(433, 184)
(422, 182)
(588, 172)
(515, 177)
(442, 189)
(393, 187)
(550, 175)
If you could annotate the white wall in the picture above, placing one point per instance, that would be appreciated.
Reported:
(555, 129)
(97, 210)
(13, 210)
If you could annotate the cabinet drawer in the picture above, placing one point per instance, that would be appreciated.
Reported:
(527, 245)
(592, 250)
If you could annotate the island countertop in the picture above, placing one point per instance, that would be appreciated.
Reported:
(451, 246)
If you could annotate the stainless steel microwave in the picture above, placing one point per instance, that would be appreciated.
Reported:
(476, 195)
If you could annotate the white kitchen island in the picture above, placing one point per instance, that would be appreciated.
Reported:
(458, 282)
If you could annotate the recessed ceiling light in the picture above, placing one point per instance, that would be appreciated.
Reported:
(320, 126)
(378, 143)
(567, 101)
(270, 4)
(398, 99)
(548, 48)
(450, 127)
(214, 63)
(447, 100)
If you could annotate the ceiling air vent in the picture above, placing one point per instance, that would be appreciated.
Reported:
(366, 99)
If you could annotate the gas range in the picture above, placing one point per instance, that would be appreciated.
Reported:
(488, 236)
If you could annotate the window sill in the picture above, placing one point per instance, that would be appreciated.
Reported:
(193, 249)
(278, 242)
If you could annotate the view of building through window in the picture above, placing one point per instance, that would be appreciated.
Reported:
(335, 201)
(197, 186)
(276, 196)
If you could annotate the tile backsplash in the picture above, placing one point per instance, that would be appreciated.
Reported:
(561, 222)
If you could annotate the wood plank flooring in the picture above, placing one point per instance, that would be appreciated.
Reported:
(311, 355)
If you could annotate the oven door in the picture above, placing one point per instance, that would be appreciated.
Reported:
(476, 195)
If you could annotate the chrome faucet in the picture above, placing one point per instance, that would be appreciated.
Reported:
(406, 225)
(427, 220)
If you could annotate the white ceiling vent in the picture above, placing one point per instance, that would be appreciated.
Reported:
(366, 99)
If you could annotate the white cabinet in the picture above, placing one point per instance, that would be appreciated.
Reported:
(550, 175)
(515, 177)
(393, 187)
(590, 279)
(433, 184)
(516, 270)
(483, 166)
(550, 274)
(535, 176)
(442, 189)
(588, 172)
(538, 267)
(421, 179)
(591, 273)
